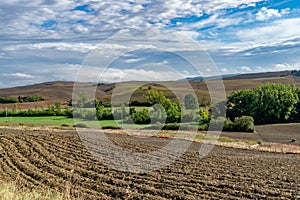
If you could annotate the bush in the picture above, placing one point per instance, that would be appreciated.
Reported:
(171, 126)
(141, 117)
(221, 123)
(217, 124)
(228, 125)
(240, 124)
(243, 124)
(140, 103)
(204, 116)
(103, 113)
(190, 117)
(158, 114)
(203, 127)
(190, 101)
(32, 98)
(81, 125)
(110, 127)
(8, 100)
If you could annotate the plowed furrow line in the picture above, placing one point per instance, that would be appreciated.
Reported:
(71, 142)
(19, 169)
(72, 173)
(35, 163)
(8, 169)
(80, 154)
(58, 172)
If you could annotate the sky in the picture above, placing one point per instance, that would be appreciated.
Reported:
(45, 40)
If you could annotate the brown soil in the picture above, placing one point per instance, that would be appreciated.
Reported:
(273, 133)
(43, 159)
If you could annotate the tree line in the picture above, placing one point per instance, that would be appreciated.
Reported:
(269, 103)
(19, 99)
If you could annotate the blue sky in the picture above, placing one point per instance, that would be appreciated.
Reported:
(46, 40)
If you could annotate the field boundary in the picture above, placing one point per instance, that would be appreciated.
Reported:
(201, 137)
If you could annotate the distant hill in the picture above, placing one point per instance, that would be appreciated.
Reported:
(241, 76)
(259, 75)
(202, 78)
(62, 91)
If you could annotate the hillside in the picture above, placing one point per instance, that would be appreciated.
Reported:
(62, 91)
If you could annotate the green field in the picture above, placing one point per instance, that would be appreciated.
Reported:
(60, 121)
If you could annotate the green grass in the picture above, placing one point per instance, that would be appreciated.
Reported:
(60, 121)
(36, 121)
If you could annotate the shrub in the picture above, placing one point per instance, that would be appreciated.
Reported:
(217, 124)
(221, 123)
(8, 100)
(228, 125)
(104, 113)
(140, 103)
(158, 114)
(203, 127)
(32, 98)
(204, 116)
(81, 125)
(141, 117)
(190, 101)
(110, 127)
(244, 124)
(172, 126)
(188, 117)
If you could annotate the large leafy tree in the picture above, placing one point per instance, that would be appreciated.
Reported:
(272, 102)
(172, 109)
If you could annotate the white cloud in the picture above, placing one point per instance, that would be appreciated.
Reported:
(266, 13)
(18, 75)
(224, 70)
(286, 66)
(61, 46)
(246, 69)
(133, 60)
(52, 33)
(106, 15)
(272, 32)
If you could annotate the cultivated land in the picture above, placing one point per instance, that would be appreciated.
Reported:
(58, 160)
(37, 154)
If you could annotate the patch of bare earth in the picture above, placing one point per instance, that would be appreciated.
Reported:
(58, 160)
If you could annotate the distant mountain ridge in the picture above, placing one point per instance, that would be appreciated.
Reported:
(202, 78)
(241, 76)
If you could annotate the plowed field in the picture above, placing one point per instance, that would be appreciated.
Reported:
(58, 160)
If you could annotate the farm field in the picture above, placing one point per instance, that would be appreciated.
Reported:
(58, 160)
(59, 122)
(51, 121)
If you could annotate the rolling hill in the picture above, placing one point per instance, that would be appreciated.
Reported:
(62, 91)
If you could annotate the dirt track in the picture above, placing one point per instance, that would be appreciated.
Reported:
(59, 160)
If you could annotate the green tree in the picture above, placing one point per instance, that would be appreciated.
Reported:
(83, 99)
(172, 109)
(270, 103)
(190, 102)
(141, 117)
(58, 108)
